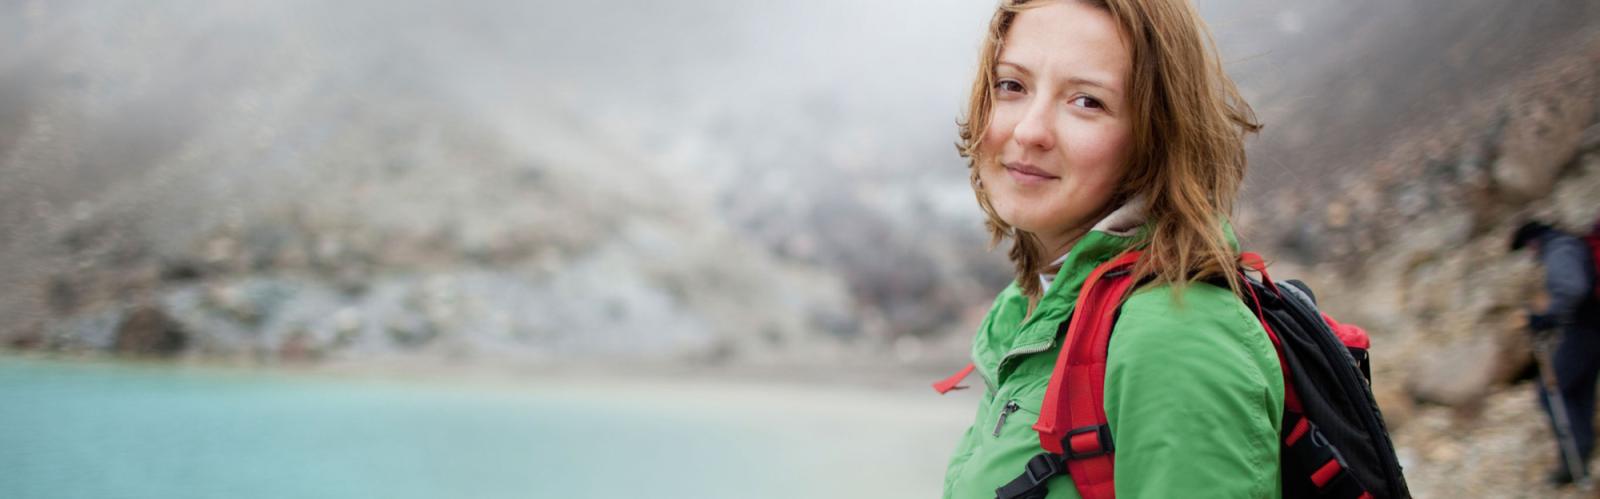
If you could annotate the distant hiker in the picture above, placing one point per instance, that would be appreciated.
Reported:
(1569, 271)
(1104, 140)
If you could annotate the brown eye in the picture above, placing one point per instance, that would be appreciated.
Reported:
(1008, 86)
(1088, 102)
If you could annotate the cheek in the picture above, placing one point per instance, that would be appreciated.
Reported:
(1103, 151)
(999, 131)
(990, 148)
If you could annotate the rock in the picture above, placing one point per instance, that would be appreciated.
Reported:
(212, 331)
(299, 346)
(1444, 451)
(1397, 408)
(149, 331)
(235, 301)
(63, 294)
(409, 331)
(90, 330)
(181, 270)
(1458, 375)
(220, 251)
(1516, 349)
(346, 326)
(26, 337)
(1336, 215)
(1591, 139)
(1543, 133)
(1304, 241)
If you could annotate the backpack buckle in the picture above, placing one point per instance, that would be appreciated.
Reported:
(1031, 483)
(1043, 467)
(1087, 442)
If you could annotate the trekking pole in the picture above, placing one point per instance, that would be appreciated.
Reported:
(1542, 344)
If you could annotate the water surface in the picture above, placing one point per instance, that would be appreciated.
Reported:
(73, 430)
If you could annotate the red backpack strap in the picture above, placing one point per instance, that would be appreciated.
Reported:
(1255, 262)
(1072, 418)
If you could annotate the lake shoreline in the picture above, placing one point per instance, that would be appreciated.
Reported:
(913, 380)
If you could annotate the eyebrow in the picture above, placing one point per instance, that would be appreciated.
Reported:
(1076, 80)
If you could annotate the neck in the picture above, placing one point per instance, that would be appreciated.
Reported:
(1059, 246)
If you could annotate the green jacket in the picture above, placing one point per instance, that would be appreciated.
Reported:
(1194, 394)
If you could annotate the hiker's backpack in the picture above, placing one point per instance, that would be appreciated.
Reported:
(1334, 443)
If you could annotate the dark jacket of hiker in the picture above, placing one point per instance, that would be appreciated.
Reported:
(1569, 278)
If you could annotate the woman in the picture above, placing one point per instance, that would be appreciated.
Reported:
(1094, 128)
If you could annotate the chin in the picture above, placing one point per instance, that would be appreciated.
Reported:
(1022, 219)
(1041, 222)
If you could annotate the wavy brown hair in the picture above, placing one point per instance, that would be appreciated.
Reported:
(1187, 159)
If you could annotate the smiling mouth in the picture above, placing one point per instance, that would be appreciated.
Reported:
(1028, 174)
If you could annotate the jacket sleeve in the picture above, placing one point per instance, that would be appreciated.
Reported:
(1194, 397)
(1567, 277)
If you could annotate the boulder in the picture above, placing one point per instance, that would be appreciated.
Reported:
(89, 330)
(1543, 132)
(147, 331)
(1397, 408)
(1457, 375)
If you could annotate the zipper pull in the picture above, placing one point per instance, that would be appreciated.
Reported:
(1011, 406)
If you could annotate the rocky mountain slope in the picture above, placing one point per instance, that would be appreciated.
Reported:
(1416, 250)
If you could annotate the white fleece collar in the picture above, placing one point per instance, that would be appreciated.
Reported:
(1122, 222)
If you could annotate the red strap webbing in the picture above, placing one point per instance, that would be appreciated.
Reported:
(1081, 372)
(1328, 470)
(1252, 261)
(945, 385)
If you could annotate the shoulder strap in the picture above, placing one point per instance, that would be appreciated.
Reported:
(1072, 418)
(1252, 261)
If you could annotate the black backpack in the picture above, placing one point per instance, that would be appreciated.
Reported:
(1333, 381)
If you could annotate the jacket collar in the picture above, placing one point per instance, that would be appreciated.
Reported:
(1010, 331)
(1111, 236)
(1011, 334)
(1125, 222)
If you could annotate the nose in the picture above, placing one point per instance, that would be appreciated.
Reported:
(1037, 129)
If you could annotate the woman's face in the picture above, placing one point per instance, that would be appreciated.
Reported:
(1059, 132)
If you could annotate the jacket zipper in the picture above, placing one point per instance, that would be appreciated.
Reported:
(1011, 406)
(1028, 350)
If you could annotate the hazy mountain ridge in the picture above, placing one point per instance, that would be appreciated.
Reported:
(317, 208)
(352, 144)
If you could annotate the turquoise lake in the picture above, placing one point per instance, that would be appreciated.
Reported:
(97, 430)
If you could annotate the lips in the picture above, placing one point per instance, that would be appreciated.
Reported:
(1024, 173)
